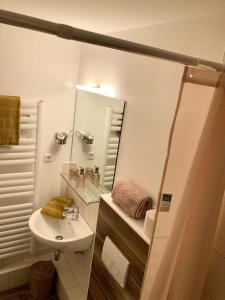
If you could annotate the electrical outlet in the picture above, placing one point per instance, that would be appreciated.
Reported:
(48, 157)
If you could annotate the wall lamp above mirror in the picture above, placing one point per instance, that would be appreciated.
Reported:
(98, 89)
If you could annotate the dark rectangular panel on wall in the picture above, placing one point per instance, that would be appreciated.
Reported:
(102, 285)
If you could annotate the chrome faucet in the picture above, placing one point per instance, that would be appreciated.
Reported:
(71, 211)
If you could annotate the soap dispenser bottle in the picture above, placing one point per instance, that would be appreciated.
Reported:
(73, 171)
(80, 183)
(89, 173)
(96, 177)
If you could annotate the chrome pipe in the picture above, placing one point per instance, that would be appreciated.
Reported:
(57, 254)
(71, 33)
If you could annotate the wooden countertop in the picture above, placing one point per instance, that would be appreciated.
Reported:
(136, 225)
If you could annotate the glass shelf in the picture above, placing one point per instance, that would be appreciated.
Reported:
(89, 194)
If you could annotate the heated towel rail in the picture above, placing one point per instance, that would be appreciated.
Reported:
(114, 120)
(19, 182)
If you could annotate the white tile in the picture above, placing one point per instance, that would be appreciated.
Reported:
(75, 293)
(72, 260)
(4, 282)
(83, 269)
(24, 262)
(215, 280)
(65, 273)
(61, 293)
(19, 277)
(92, 215)
(15, 259)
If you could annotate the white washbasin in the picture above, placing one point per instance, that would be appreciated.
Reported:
(62, 234)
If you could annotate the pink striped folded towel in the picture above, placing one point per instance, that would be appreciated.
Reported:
(131, 199)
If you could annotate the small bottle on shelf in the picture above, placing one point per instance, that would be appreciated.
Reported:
(89, 173)
(73, 171)
(80, 183)
(96, 177)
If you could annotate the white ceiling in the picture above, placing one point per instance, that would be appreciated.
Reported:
(114, 15)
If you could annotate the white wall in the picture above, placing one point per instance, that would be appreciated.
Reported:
(151, 89)
(74, 269)
(38, 66)
(201, 37)
(151, 86)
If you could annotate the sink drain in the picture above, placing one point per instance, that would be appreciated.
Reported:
(59, 237)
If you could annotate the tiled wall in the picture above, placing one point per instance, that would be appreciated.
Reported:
(80, 264)
(76, 266)
(17, 272)
(68, 287)
(14, 279)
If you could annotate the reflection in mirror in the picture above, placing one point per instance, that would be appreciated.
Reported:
(97, 130)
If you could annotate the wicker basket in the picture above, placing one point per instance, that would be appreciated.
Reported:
(42, 283)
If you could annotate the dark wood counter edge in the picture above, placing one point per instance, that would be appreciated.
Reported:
(102, 283)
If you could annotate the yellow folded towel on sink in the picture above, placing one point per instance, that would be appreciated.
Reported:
(55, 207)
(62, 201)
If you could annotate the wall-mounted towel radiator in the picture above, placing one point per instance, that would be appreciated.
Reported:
(113, 127)
(19, 183)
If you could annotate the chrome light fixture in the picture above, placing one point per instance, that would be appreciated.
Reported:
(61, 137)
(85, 137)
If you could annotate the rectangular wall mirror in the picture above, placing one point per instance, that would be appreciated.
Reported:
(97, 130)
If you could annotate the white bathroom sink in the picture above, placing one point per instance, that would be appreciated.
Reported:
(63, 234)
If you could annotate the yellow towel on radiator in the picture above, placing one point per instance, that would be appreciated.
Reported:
(9, 120)
(55, 207)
